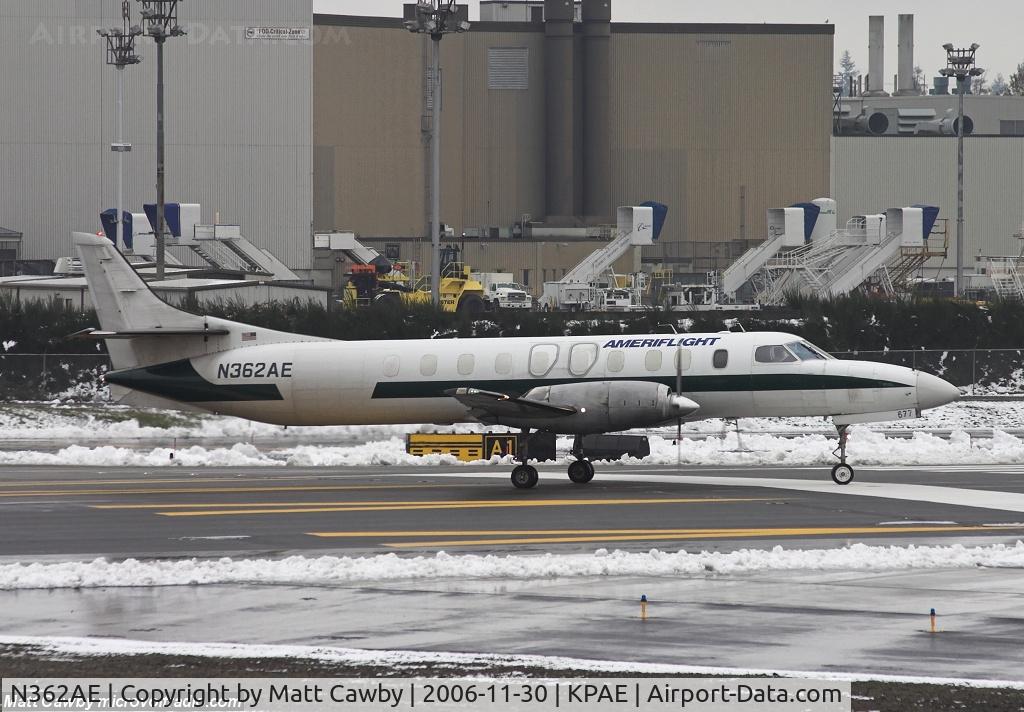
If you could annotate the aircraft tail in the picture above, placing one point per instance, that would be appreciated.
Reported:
(141, 329)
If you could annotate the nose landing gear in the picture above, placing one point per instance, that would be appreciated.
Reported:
(842, 474)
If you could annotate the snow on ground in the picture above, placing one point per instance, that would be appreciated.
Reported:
(399, 659)
(866, 447)
(111, 423)
(302, 570)
(118, 435)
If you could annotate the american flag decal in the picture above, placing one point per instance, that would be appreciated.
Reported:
(248, 336)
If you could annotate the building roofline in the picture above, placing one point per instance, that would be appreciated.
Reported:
(721, 28)
(683, 28)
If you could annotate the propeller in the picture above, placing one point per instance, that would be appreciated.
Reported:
(679, 394)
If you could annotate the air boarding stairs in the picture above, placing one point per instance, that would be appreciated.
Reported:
(881, 250)
(1005, 273)
(222, 247)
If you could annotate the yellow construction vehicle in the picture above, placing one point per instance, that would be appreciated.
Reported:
(381, 281)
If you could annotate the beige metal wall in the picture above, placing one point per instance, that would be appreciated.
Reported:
(871, 173)
(368, 151)
(238, 121)
(696, 118)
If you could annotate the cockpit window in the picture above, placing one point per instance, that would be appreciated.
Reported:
(806, 352)
(773, 354)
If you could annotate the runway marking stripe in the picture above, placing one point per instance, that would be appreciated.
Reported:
(195, 480)
(356, 507)
(215, 490)
(425, 502)
(525, 532)
(695, 534)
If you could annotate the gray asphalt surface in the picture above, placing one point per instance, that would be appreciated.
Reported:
(69, 512)
(805, 620)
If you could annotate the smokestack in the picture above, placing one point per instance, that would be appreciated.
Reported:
(597, 29)
(560, 114)
(876, 56)
(906, 57)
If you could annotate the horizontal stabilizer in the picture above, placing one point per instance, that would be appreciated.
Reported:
(98, 334)
(502, 405)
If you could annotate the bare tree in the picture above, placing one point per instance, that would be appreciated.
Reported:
(999, 85)
(979, 84)
(1017, 81)
(848, 70)
(920, 83)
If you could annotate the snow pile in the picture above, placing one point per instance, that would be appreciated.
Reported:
(296, 570)
(120, 423)
(866, 447)
(417, 659)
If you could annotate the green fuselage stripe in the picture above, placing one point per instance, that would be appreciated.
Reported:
(179, 380)
(690, 384)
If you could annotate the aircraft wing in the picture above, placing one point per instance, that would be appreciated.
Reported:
(502, 405)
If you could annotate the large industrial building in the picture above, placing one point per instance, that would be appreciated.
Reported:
(557, 122)
(551, 116)
(548, 120)
(238, 121)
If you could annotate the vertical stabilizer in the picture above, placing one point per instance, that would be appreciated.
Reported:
(123, 301)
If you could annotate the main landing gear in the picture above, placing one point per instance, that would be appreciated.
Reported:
(581, 471)
(524, 476)
(842, 474)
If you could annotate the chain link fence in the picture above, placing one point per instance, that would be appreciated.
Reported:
(981, 371)
(51, 375)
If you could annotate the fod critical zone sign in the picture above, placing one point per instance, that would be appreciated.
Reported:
(277, 33)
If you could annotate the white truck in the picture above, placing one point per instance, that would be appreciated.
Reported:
(502, 292)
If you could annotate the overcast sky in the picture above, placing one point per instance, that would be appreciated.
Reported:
(996, 25)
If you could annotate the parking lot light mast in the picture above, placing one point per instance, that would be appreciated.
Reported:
(121, 53)
(435, 18)
(161, 20)
(960, 64)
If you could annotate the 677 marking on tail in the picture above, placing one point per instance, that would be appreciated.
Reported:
(255, 370)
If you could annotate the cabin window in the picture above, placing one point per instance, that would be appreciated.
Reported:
(503, 364)
(773, 354)
(428, 365)
(465, 364)
(616, 360)
(653, 360)
(391, 365)
(683, 359)
(806, 352)
(582, 358)
(542, 359)
(720, 359)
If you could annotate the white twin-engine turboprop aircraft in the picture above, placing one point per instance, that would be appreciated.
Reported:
(566, 385)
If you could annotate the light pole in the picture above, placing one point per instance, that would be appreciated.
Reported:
(960, 64)
(121, 53)
(161, 19)
(435, 18)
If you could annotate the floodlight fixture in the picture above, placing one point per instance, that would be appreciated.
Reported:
(160, 18)
(436, 18)
(960, 63)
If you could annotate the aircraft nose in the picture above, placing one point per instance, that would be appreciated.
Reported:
(932, 391)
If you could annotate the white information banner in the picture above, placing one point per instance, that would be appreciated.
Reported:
(277, 33)
(657, 694)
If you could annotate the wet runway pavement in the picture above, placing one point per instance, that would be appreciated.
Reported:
(823, 621)
(794, 620)
(80, 512)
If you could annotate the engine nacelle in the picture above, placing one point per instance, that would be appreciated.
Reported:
(608, 406)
